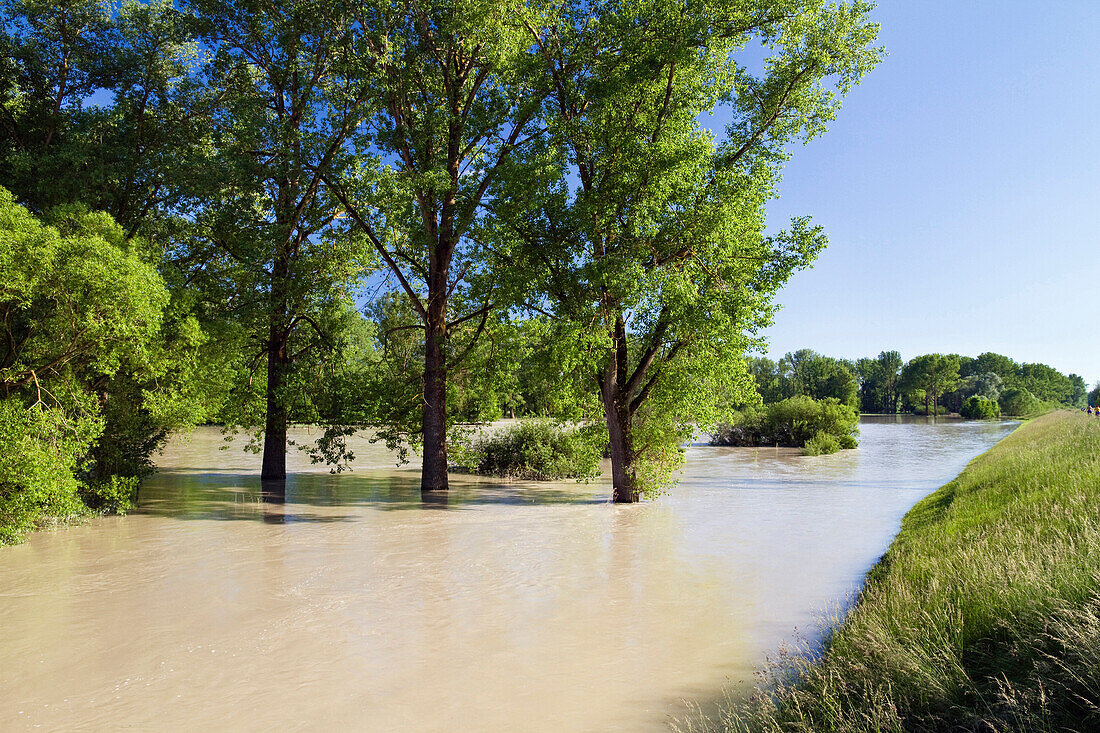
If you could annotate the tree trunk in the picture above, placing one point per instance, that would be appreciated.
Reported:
(620, 430)
(274, 460)
(623, 479)
(433, 476)
(278, 363)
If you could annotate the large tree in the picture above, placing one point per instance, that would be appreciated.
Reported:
(458, 92)
(101, 108)
(645, 234)
(271, 252)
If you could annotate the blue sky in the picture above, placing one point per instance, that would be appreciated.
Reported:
(960, 188)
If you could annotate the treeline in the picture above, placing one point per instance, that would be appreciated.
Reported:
(367, 213)
(925, 385)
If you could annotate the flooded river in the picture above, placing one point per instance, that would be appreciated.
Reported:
(517, 606)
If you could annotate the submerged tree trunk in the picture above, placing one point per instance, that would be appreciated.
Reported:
(620, 433)
(619, 412)
(433, 476)
(274, 460)
(278, 364)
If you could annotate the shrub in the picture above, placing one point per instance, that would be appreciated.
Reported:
(792, 422)
(821, 443)
(42, 452)
(1018, 402)
(980, 408)
(538, 449)
(115, 494)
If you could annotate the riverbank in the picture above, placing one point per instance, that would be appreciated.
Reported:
(983, 615)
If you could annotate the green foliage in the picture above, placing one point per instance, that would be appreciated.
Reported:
(821, 444)
(978, 407)
(878, 382)
(984, 614)
(133, 153)
(805, 372)
(642, 231)
(537, 449)
(928, 376)
(44, 450)
(89, 384)
(791, 422)
(115, 494)
(1018, 402)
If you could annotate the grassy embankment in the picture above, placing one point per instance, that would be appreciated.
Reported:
(984, 614)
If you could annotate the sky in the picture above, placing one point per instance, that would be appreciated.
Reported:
(960, 189)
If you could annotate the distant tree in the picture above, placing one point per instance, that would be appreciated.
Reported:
(932, 374)
(1078, 391)
(1048, 384)
(878, 380)
(1004, 367)
(1017, 401)
(988, 385)
(770, 383)
(814, 375)
(1094, 396)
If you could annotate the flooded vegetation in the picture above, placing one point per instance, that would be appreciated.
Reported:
(507, 606)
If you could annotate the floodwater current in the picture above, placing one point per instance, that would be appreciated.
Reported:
(509, 607)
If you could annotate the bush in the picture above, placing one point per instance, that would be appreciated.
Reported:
(1018, 402)
(538, 449)
(821, 444)
(42, 452)
(980, 408)
(792, 422)
(115, 494)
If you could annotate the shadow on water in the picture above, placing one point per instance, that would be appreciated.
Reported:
(311, 497)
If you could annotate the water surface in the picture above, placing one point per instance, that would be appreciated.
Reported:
(511, 606)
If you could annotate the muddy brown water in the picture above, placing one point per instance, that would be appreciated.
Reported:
(512, 606)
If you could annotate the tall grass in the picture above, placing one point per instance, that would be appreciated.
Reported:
(984, 614)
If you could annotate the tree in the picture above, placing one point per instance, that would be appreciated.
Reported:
(880, 376)
(134, 151)
(1048, 384)
(78, 306)
(1077, 394)
(811, 374)
(931, 374)
(1017, 401)
(977, 407)
(292, 91)
(769, 380)
(645, 236)
(1004, 367)
(457, 94)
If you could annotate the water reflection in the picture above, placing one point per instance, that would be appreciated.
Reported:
(499, 606)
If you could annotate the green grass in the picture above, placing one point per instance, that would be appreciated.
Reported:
(984, 614)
